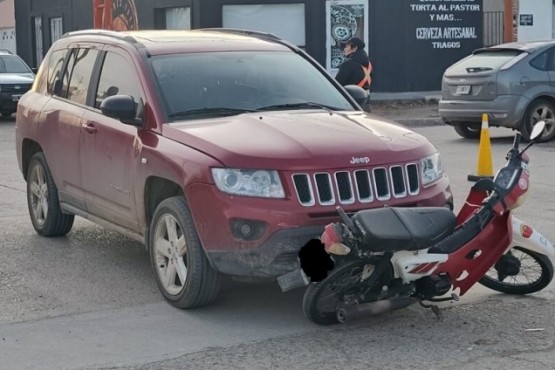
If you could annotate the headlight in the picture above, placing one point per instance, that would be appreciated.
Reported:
(254, 183)
(431, 169)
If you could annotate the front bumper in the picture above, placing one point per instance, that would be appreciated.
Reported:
(7, 104)
(288, 226)
(504, 111)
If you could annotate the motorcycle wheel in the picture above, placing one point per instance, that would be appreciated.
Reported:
(343, 286)
(536, 272)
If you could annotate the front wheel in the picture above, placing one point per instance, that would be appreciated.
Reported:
(344, 286)
(534, 274)
(181, 267)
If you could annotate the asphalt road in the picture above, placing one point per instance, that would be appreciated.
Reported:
(89, 301)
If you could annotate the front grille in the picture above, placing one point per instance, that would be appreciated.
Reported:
(15, 88)
(363, 185)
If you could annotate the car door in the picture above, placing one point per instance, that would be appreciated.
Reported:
(60, 119)
(109, 148)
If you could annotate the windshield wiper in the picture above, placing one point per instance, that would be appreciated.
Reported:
(216, 111)
(301, 105)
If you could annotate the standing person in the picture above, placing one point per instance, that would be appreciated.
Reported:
(357, 68)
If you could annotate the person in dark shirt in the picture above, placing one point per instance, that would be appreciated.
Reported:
(357, 68)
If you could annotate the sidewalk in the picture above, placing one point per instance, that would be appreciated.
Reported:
(409, 109)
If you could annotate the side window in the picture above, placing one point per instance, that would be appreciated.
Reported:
(54, 77)
(81, 75)
(551, 64)
(540, 62)
(67, 74)
(117, 78)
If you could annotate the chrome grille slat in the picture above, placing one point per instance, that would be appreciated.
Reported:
(303, 187)
(381, 184)
(398, 181)
(344, 187)
(361, 185)
(412, 179)
(324, 188)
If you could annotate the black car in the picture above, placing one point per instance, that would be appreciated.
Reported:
(16, 78)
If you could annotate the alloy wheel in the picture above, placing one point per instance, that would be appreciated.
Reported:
(39, 195)
(170, 250)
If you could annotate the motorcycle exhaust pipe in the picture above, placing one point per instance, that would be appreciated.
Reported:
(355, 312)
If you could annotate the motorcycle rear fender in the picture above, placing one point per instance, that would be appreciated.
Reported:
(527, 237)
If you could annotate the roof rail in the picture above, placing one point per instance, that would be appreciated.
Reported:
(102, 32)
(239, 31)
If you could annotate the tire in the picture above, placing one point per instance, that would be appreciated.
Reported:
(182, 271)
(468, 130)
(321, 299)
(539, 110)
(539, 263)
(42, 200)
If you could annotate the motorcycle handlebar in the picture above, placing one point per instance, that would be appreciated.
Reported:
(345, 218)
(516, 144)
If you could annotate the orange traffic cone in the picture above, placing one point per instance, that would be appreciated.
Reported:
(485, 157)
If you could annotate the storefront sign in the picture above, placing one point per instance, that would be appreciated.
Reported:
(444, 24)
(526, 19)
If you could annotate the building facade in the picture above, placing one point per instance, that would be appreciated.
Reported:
(410, 42)
(7, 26)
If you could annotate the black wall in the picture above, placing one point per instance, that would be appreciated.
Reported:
(76, 14)
(403, 62)
(407, 51)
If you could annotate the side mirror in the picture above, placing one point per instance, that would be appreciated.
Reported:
(537, 130)
(358, 93)
(122, 107)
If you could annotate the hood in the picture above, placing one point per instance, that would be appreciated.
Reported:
(16, 78)
(301, 140)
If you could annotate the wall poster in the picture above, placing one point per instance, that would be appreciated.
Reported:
(344, 19)
(117, 15)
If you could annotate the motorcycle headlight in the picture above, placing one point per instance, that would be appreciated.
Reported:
(431, 169)
(254, 183)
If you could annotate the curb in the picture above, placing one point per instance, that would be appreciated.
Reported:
(418, 122)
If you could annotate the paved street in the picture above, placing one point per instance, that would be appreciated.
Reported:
(89, 300)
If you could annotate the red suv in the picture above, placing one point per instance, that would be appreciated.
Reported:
(224, 151)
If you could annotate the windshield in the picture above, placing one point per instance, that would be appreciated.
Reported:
(227, 83)
(12, 64)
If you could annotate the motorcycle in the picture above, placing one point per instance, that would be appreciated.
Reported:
(389, 258)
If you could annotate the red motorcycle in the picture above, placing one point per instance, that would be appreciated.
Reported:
(388, 258)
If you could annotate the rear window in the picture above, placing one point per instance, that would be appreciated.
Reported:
(484, 61)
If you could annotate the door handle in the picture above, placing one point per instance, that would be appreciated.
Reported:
(89, 127)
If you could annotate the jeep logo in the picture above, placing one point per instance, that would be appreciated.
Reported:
(361, 160)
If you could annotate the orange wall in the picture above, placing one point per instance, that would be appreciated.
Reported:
(508, 34)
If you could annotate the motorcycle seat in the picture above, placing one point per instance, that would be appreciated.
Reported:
(397, 228)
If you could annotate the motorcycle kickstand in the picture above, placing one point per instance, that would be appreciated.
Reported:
(435, 309)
